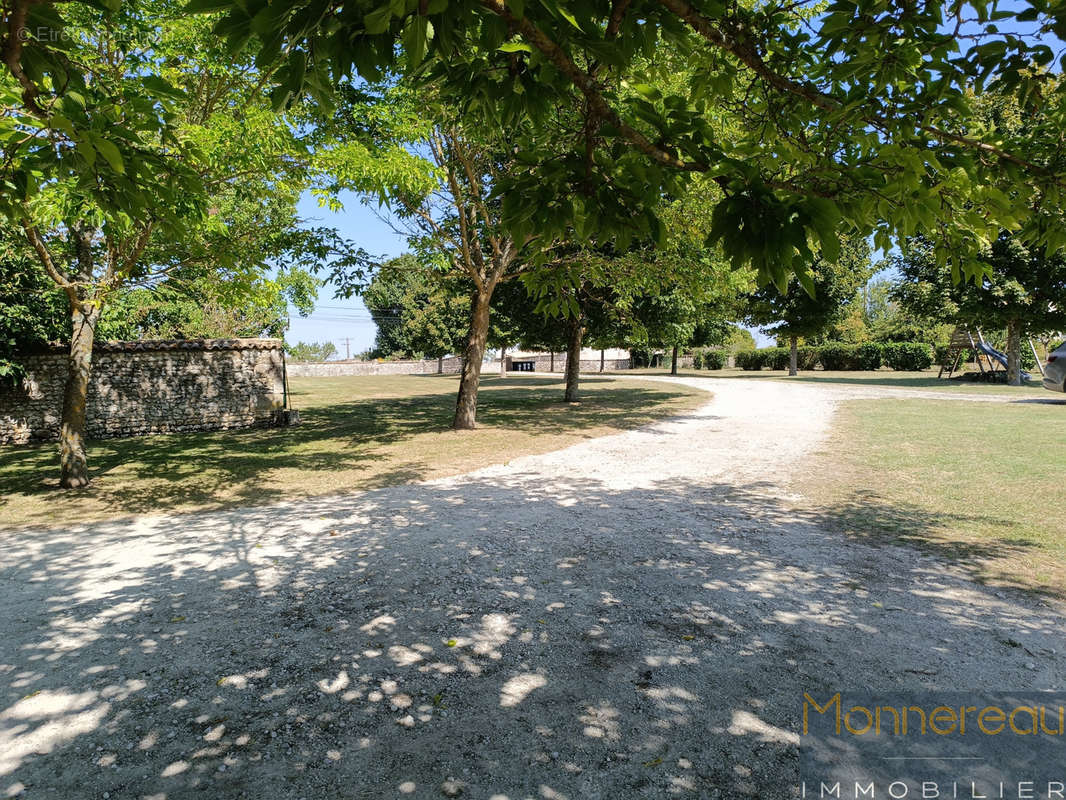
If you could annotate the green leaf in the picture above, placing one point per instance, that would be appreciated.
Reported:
(158, 86)
(648, 91)
(202, 6)
(377, 21)
(86, 151)
(806, 282)
(414, 41)
(110, 153)
(569, 17)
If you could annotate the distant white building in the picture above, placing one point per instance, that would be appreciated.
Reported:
(607, 360)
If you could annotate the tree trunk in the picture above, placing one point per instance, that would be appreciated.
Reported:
(673, 361)
(602, 352)
(503, 361)
(466, 404)
(551, 361)
(1014, 353)
(793, 355)
(73, 464)
(440, 365)
(573, 359)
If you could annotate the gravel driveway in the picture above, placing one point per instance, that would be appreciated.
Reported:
(635, 616)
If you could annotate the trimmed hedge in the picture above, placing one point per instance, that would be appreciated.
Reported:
(910, 356)
(777, 357)
(807, 357)
(750, 360)
(839, 356)
(714, 359)
(869, 356)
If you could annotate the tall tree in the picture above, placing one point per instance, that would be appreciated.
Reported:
(436, 176)
(680, 290)
(419, 313)
(577, 294)
(1022, 290)
(800, 312)
(143, 158)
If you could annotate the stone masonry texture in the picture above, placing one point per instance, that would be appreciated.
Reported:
(148, 387)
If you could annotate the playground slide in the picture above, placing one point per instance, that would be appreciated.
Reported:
(989, 350)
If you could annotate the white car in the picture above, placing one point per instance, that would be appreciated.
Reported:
(1055, 371)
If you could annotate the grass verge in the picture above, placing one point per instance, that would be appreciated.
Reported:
(926, 380)
(356, 433)
(979, 483)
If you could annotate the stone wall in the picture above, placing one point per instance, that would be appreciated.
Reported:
(447, 366)
(148, 387)
(330, 369)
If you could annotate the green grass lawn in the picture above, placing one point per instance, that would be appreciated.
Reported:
(981, 483)
(356, 433)
(925, 380)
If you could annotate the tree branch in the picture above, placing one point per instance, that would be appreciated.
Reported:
(45, 256)
(12, 56)
(748, 56)
(558, 57)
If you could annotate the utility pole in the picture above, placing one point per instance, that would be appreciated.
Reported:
(347, 349)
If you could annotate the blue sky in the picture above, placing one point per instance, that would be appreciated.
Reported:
(346, 323)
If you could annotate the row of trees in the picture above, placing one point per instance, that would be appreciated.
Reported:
(1022, 293)
(420, 313)
(604, 154)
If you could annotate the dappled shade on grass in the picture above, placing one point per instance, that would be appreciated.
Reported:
(974, 482)
(926, 380)
(355, 433)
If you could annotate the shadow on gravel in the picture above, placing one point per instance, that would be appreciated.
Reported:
(226, 469)
(527, 640)
(869, 518)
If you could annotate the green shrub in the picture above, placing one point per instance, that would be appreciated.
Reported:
(750, 360)
(697, 359)
(714, 359)
(908, 356)
(776, 357)
(807, 357)
(869, 356)
(839, 356)
(943, 356)
(1028, 359)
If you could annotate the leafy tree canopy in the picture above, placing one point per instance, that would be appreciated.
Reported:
(418, 312)
(315, 351)
(798, 313)
(811, 118)
(1022, 287)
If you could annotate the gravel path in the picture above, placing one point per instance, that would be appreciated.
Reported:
(635, 616)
